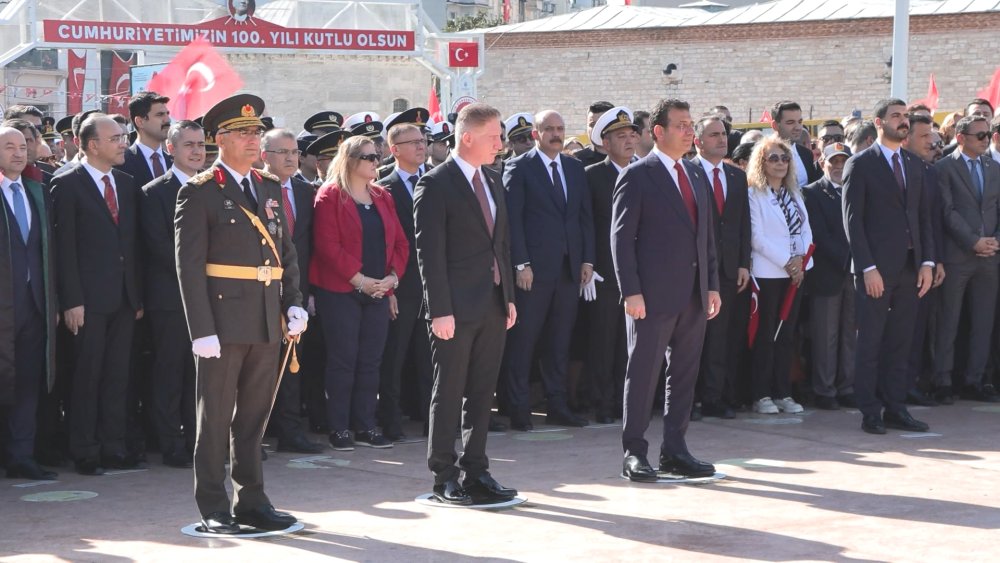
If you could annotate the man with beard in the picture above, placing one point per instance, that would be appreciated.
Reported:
(887, 215)
(145, 160)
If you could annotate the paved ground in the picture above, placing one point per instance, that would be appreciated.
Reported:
(812, 487)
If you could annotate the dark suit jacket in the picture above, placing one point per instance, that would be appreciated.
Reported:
(157, 207)
(588, 156)
(409, 284)
(732, 228)
(937, 209)
(212, 229)
(881, 223)
(832, 258)
(601, 179)
(543, 227)
(135, 165)
(658, 252)
(302, 238)
(96, 257)
(813, 173)
(455, 253)
(966, 219)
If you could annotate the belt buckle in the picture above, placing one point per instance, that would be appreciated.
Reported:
(264, 274)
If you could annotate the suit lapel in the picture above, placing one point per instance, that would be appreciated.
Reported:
(571, 181)
(663, 179)
(889, 177)
(94, 191)
(964, 174)
(466, 192)
(535, 160)
(125, 203)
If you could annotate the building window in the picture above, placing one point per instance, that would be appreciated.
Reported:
(400, 104)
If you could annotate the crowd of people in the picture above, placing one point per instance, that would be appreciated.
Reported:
(857, 268)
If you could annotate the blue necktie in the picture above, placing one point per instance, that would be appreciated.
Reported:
(20, 211)
(977, 181)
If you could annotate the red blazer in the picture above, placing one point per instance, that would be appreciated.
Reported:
(336, 254)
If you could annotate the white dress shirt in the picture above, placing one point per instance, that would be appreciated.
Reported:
(470, 171)
(239, 179)
(710, 170)
(548, 169)
(181, 176)
(801, 175)
(147, 154)
(98, 176)
(669, 163)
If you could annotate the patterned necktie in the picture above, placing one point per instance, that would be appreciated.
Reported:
(484, 206)
(557, 182)
(249, 195)
(20, 210)
(289, 212)
(720, 197)
(110, 199)
(687, 193)
(897, 171)
(157, 165)
(976, 180)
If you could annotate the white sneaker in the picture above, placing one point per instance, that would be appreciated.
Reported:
(788, 405)
(765, 406)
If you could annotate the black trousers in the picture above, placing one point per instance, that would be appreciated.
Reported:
(29, 376)
(607, 351)
(100, 384)
(772, 359)
(465, 375)
(885, 331)
(173, 377)
(921, 358)
(545, 319)
(286, 418)
(723, 335)
(312, 375)
(355, 339)
(407, 356)
(648, 342)
(974, 282)
(234, 394)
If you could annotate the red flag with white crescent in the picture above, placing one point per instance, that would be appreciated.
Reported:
(195, 80)
(76, 74)
(754, 311)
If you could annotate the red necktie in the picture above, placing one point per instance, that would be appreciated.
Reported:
(289, 213)
(484, 205)
(687, 193)
(157, 165)
(720, 198)
(109, 198)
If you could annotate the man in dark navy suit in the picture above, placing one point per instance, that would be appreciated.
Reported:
(665, 259)
(887, 217)
(145, 160)
(552, 249)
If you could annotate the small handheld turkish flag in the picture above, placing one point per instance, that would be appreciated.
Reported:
(195, 80)
(463, 54)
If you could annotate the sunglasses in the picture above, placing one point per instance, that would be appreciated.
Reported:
(369, 157)
(937, 145)
(776, 158)
(980, 136)
(832, 138)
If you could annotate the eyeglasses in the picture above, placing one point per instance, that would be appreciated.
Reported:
(832, 138)
(244, 133)
(937, 145)
(285, 152)
(117, 139)
(372, 157)
(414, 142)
(980, 136)
(776, 158)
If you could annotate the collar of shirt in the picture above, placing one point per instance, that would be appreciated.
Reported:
(836, 186)
(405, 177)
(617, 168)
(887, 153)
(467, 169)
(968, 159)
(669, 163)
(147, 152)
(98, 176)
(8, 194)
(181, 176)
(548, 167)
(237, 176)
(710, 171)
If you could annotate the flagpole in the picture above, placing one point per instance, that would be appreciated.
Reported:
(900, 48)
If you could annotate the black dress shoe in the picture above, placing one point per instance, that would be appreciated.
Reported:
(221, 523)
(29, 469)
(50, 457)
(686, 465)
(265, 518)
(564, 417)
(485, 489)
(496, 425)
(847, 401)
(88, 467)
(872, 424)
(696, 413)
(177, 459)
(920, 399)
(979, 393)
(603, 419)
(299, 444)
(826, 403)
(393, 432)
(521, 423)
(119, 461)
(637, 468)
(944, 395)
(450, 492)
(718, 410)
(903, 421)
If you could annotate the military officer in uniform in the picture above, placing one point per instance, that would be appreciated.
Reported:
(239, 280)
(369, 124)
(441, 142)
(519, 138)
(323, 122)
(324, 149)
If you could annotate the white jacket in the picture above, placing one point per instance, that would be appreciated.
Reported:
(770, 243)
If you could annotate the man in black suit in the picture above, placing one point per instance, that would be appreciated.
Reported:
(606, 330)
(145, 159)
(970, 190)
(96, 225)
(463, 251)
(172, 375)
(731, 219)
(279, 151)
(831, 286)
(787, 124)
(406, 349)
(594, 153)
(664, 250)
(552, 248)
(887, 217)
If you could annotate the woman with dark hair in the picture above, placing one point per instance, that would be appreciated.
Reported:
(359, 254)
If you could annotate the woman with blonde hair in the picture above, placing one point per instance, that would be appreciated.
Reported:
(780, 236)
(359, 254)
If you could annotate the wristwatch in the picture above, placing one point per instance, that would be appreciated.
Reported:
(521, 267)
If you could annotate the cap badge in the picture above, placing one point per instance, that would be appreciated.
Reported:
(248, 111)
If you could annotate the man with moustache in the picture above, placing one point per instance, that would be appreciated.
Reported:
(552, 248)
(887, 216)
(618, 134)
(96, 227)
(663, 244)
(145, 160)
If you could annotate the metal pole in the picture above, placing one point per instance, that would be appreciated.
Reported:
(900, 48)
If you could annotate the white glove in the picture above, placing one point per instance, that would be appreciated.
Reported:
(589, 290)
(207, 347)
(298, 319)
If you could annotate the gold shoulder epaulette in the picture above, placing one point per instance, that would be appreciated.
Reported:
(200, 179)
(270, 176)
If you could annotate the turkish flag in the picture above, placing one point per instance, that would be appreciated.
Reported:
(434, 107)
(76, 73)
(195, 80)
(991, 93)
(463, 55)
(931, 100)
(120, 82)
